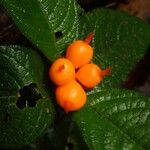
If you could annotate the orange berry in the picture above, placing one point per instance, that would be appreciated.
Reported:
(62, 71)
(80, 52)
(90, 75)
(71, 96)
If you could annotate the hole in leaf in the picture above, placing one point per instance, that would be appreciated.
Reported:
(28, 96)
(58, 34)
(6, 117)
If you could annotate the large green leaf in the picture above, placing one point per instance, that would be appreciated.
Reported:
(37, 18)
(119, 41)
(32, 21)
(63, 16)
(115, 118)
(25, 106)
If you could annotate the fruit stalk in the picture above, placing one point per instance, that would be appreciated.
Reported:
(89, 38)
(105, 72)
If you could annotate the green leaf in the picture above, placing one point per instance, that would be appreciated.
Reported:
(37, 18)
(116, 119)
(25, 106)
(119, 41)
(32, 21)
(63, 16)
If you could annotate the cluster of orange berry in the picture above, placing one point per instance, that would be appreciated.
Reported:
(74, 73)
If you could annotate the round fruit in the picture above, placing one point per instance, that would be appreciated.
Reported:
(62, 71)
(90, 75)
(71, 96)
(80, 52)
